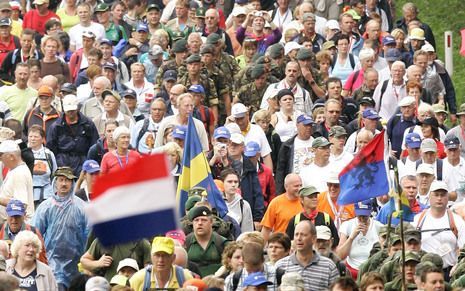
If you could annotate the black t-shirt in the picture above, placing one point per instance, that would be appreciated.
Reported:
(319, 220)
(27, 282)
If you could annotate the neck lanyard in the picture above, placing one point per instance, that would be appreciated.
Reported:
(337, 213)
(281, 22)
(119, 159)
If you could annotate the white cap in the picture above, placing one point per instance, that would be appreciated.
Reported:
(9, 146)
(425, 169)
(333, 178)
(156, 50)
(438, 185)
(332, 24)
(97, 283)
(119, 131)
(428, 145)
(428, 48)
(239, 10)
(407, 101)
(237, 138)
(128, 262)
(70, 102)
(233, 128)
(239, 110)
(323, 232)
(290, 46)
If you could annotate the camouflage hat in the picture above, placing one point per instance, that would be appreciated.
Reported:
(213, 38)
(433, 258)
(412, 234)
(199, 211)
(384, 230)
(207, 49)
(65, 172)
(180, 46)
(257, 71)
(337, 131)
(395, 239)
(304, 54)
(412, 256)
(320, 142)
(276, 50)
(193, 59)
(307, 191)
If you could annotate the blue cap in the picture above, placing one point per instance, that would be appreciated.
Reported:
(363, 208)
(392, 55)
(223, 132)
(15, 208)
(389, 39)
(91, 166)
(251, 149)
(370, 113)
(142, 27)
(180, 131)
(170, 75)
(197, 89)
(106, 41)
(256, 279)
(452, 142)
(305, 119)
(413, 140)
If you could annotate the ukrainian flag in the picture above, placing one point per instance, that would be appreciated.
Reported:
(406, 211)
(196, 172)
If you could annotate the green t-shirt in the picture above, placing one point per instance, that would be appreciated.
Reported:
(209, 259)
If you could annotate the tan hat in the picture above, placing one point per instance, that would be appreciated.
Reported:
(417, 34)
(428, 145)
(425, 169)
(323, 232)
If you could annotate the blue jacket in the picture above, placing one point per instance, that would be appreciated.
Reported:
(70, 144)
(64, 226)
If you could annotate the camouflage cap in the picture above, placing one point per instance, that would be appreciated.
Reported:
(433, 258)
(257, 71)
(200, 12)
(412, 256)
(65, 172)
(337, 131)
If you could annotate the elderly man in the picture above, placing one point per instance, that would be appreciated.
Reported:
(111, 105)
(315, 173)
(454, 168)
(309, 34)
(317, 271)
(163, 273)
(18, 182)
(409, 14)
(144, 132)
(212, 18)
(425, 176)
(283, 207)
(63, 208)
(370, 81)
(398, 124)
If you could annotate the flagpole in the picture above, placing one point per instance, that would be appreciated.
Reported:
(401, 221)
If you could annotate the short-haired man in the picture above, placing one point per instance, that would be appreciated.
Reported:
(144, 89)
(84, 12)
(454, 167)
(398, 123)
(425, 176)
(317, 271)
(163, 273)
(460, 128)
(432, 279)
(315, 173)
(35, 19)
(339, 158)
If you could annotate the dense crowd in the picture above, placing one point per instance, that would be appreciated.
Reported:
(283, 94)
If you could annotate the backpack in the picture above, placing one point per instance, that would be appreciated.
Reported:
(452, 226)
(326, 217)
(148, 270)
(203, 116)
(237, 276)
(438, 168)
(383, 90)
(142, 131)
(351, 60)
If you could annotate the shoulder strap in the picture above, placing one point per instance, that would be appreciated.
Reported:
(143, 129)
(417, 163)
(327, 218)
(13, 57)
(279, 275)
(421, 219)
(218, 241)
(235, 279)
(16, 41)
(404, 159)
(48, 157)
(148, 271)
(333, 63)
(351, 60)
(453, 227)
(439, 169)
(296, 219)
(383, 89)
(188, 242)
(241, 203)
(180, 275)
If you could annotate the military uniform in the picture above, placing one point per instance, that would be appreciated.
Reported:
(251, 96)
(229, 66)
(211, 95)
(178, 47)
(362, 92)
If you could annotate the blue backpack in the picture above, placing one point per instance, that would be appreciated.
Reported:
(148, 270)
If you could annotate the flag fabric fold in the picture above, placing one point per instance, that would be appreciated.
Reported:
(365, 176)
(136, 202)
(196, 173)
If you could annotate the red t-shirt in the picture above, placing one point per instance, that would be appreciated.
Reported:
(34, 21)
(5, 48)
(112, 162)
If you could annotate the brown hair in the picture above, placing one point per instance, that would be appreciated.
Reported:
(228, 252)
(369, 279)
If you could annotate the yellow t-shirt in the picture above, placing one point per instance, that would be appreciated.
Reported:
(17, 99)
(279, 212)
(137, 280)
(16, 28)
(67, 21)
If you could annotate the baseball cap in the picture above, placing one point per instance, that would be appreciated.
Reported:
(251, 149)
(370, 113)
(128, 262)
(417, 34)
(153, 6)
(88, 34)
(452, 142)
(329, 45)
(177, 235)
(15, 5)
(439, 108)
(256, 279)
(290, 46)
(70, 102)
(196, 284)
(239, 10)
(111, 66)
(237, 138)
(170, 75)
(332, 24)
(389, 39)
(305, 119)
(413, 140)
(413, 234)
(428, 145)
(197, 88)
(198, 211)
(97, 283)
(333, 178)
(428, 48)
(180, 131)
(15, 208)
(308, 16)
(337, 131)
(101, 7)
(141, 26)
(425, 169)
(129, 93)
(200, 12)
(91, 166)
(392, 55)
(45, 90)
(411, 256)
(68, 88)
(8, 146)
(323, 232)
(233, 127)
(407, 101)
(290, 281)
(113, 93)
(163, 244)
(106, 41)
(320, 142)
(155, 51)
(221, 132)
(461, 110)
(438, 185)
(5, 21)
(239, 110)
(5, 6)
(40, 2)
(65, 172)
(367, 100)
(307, 191)
(363, 208)
(119, 280)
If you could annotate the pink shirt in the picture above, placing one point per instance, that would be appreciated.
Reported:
(112, 162)
(351, 85)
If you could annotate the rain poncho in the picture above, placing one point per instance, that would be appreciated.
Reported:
(64, 226)
(44, 166)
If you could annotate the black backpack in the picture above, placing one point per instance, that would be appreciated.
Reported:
(237, 276)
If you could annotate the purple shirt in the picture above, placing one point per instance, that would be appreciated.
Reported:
(264, 43)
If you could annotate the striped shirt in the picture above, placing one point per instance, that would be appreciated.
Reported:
(268, 270)
(318, 274)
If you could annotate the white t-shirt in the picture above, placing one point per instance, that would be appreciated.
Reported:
(454, 176)
(303, 153)
(75, 33)
(18, 185)
(339, 162)
(362, 244)
(316, 176)
(407, 168)
(257, 135)
(443, 243)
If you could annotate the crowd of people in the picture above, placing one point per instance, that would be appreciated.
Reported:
(283, 95)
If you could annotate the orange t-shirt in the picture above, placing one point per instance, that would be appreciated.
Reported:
(279, 212)
(348, 211)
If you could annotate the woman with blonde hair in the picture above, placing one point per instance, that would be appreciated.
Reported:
(25, 266)
(174, 153)
(231, 260)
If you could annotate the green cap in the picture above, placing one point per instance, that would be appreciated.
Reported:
(439, 108)
(207, 49)
(433, 258)
(329, 44)
(191, 201)
(354, 14)
(276, 50)
(395, 239)
(307, 191)
(412, 256)
(412, 234)
(257, 71)
(304, 54)
(193, 59)
(384, 230)
(153, 6)
(320, 142)
(180, 46)
(102, 7)
(213, 38)
(112, 93)
(461, 110)
(337, 131)
(65, 172)
(198, 211)
(200, 12)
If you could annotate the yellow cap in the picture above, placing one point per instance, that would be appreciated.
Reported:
(119, 280)
(163, 244)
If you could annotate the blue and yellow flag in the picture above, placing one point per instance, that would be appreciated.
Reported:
(196, 172)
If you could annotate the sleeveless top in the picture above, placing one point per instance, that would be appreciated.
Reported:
(342, 71)
(285, 128)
